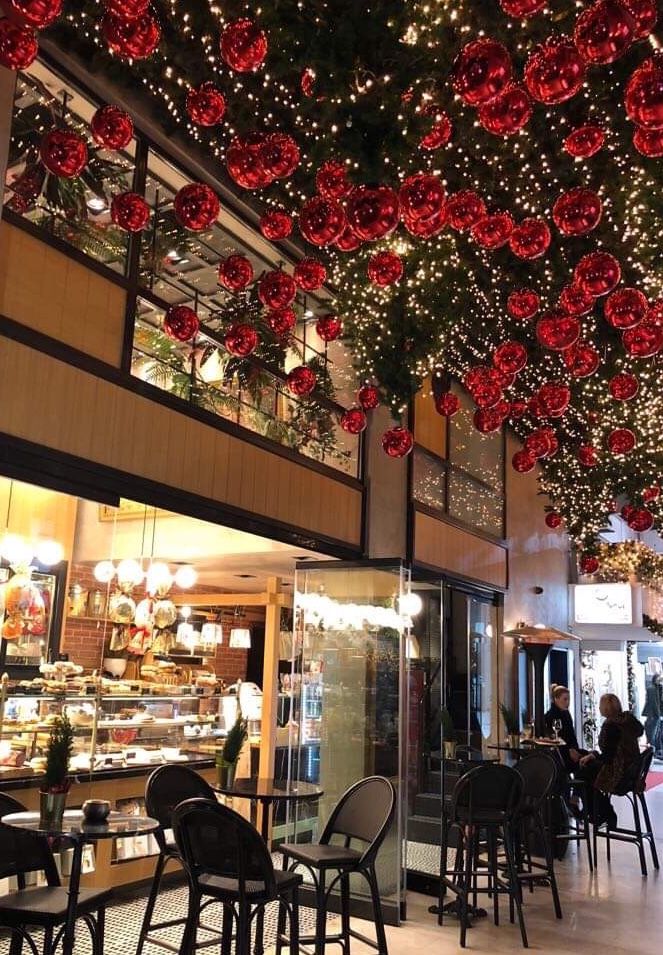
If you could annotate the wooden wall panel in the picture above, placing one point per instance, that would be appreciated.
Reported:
(44, 289)
(101, 422)
(429, 427)
(457, 551)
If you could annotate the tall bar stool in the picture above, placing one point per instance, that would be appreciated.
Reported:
(538, 772)
(166, 787)
(362, 815)
(580, 827)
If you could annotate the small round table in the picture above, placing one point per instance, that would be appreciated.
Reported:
(268, 791)
(77, 831)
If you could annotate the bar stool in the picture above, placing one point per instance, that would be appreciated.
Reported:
(580, 827)
(363, 814)
(538, 772)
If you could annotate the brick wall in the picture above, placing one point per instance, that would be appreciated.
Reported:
(83, 638)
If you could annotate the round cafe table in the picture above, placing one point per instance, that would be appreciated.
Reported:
(76, 830)
(268, 791)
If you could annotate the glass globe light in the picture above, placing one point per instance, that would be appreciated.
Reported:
(186, 576)
(129, 573)
(49, 552)
(104, 571)
(16, 550)
(158, 579)
(409, 605)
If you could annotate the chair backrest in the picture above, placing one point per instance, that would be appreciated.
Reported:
(166, 788)
(215, 840)
(644, 765)
(488, 789)
(364, 812)
(22, 851)
(538, 772)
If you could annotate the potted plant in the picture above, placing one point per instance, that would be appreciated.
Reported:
(448, 734)
(511, 724)
(226, 760)
(53, 796)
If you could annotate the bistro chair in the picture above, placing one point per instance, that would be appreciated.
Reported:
(538, 772)
(634, 790)
(166, 787)
(362, 815)
(43, 907)
(227, 861)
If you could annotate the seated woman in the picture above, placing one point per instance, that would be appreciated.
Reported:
(559, 710)
(616, 760)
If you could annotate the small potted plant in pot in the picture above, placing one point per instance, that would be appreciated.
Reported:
(226, 760)
(448, 734)
(511, 724)
(53, 796)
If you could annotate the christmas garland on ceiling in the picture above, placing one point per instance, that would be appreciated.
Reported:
(480, 182)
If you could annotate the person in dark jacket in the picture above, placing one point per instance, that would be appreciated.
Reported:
(652, 713)
(559, 710)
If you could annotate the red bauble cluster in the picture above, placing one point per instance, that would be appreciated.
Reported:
(507, 113)
(510, 357)
(134, 39)
(373, 212)
(368, 397)
(18, 46)
(447, 404)
(625, 308)
(553, 398)
(206, 104)
(621, 441)
(604, 31)
(555, 72)
(421, 196)
(243, 45)
(644, 94)
(585, 141)
(575, 300)
(309, 274)
(235, 273)
(553, 520)
(331, 180)
(522, 8)
(645, 340)
(649, 142)
(385, 268)
(63, 152)
(589, 564)
(577, 211)
(321, 220)
(301, 381)
(557, 330)
(541, 443)
(329, 327)
(488, 420)
(464, 209)
(130, 211)
(281, 321)
(276, 289)
(36, 14)
(588, 456)
(523, 304)
(276, 225)
(241, 340)
(530, 239)
(482, 69)
(493, 230)
(353, 421)
(439, 135)
(181, 323)
(623, 386)
(112, 127)
(581, 359)
(255, 161)
(196, 206)
(397, 442)
(523, 461)
(597, 273)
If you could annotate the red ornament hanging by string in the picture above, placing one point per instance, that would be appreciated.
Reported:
(557, 330)
(206, 104)
(523, 462)
(276, 289)
(507, 113)
(649, 142)
(397, 442)
(575, 300)
(555, 72)
(643, 341)
(241, 340)
(493, 231)
(597, 273)
(373, 212)
(464, 209)
(321, 221)
(301, 381)
(353, 421)
(112, 127)
(244, 162)
(235, 273)
(347, 240)
(447, 404)
(181, 323)
(585, 141)
(522, 8)
(129, 211)
(196, 206)
(554, 398)
(645, 15)
(530, 239)
(131, 39)
(641, 520)
(276, 225)
(523, 304)
(243, 45)
(331, 180)
(510, 357)
(280, 155)
(439, 134)
(588, 456)
(553, 520)
(625, 308)
(329, 327)
(421, 196)
(63, 152)
(577, 211)
(604, 31)
(623, 386)
(488, 420)
(385, 268)
(589, 564)
(127, 9)
(581, 359)
(309, 274)
(18, 46)
(621, 441)
(281, 320)
(36, 14)
(651, 493)
(644, 94)
(368, 397)
(482, 70)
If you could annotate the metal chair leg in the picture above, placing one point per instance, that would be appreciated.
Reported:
(99, 933)
(652, 841)
(550, 867)
(227, 930)
(378, 916)
(293, 947)
(151, 902)
(321, 914)
(514, 883)
(466, 884)
(639, 837)
(188, 944)
(345, 912)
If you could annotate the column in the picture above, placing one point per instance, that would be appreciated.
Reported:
(387, 489)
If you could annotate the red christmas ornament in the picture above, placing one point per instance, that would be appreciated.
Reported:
(553, 520)
(655, 313)
(585, 141)
(644, 94)
(397, 442)
(329, 328)
(510, 357)
(130, 211)
(597, 273)
(538, 443)
(517, 409)
(523, 304)
(447, 404)
(235, 273)
(131, 39)
(507, 113)
(493, 231)
(373, 211)
(243, 45)
(309, 274)
(439, 135)
(626, 512)
(112, 128)
(575, 300)
(623, 386)
(301, 381)
(530, 239)
(18, 46)
(488, 420)
(522, 8)
(479, 376)
(426, 228)
(385, 268)
(625, 308)
(196, 207)
(589, 564)
(645, 15)
(241, 340)
(621, 441)
(347, 240)
(464, 209)
(276, 225)
(244, 162)
(63, 152)
(554, 399)
(641, 520)
(321, 221)
(281, 321)
(649, 142)
(577, 211)
(276, 289)
(643, 341)
(557, 330)
(651, 493)
(482, 70)
(368, 397)
(421, 196)
(331, 180)
(604, 31)
(307, 82)
(587, 456)
(206, 104)
(555, 72)
(581, 359)
(353, 421)
(487, 394)
(523, 462)
(280, 155)
(181, 323)
(127, 9)
(37, 14)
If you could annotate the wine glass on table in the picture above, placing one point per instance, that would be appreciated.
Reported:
(557, 728)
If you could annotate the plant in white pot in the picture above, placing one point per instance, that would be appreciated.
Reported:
(57, 781)
(226, 760)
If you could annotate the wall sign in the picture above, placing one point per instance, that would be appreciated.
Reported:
(603, 603)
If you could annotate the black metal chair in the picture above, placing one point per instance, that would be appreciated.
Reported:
(539, 774)
(482, 811)
(363, 814)
(577, 828)
(43, 907)
(634, 790)
(227, 861)
(166, 787)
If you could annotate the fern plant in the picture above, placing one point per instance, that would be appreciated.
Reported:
(58, 755)
(448, 730)
(510, 720)
(235, 739)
